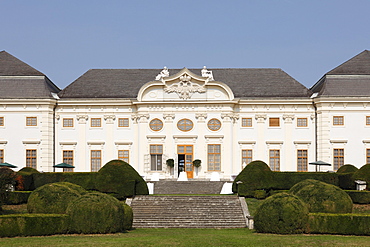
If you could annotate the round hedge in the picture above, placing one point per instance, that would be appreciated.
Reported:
(27, 178)
(121, 180)
(321, 197)
(363, 174)
(282, 213)
(347, 169)
(53, 198)
(257, 175)
(28, 170)
(96, 213)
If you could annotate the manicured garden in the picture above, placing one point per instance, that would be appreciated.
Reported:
(188, 238)
(60, 207)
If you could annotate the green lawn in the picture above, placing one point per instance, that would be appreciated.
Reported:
(188, 237)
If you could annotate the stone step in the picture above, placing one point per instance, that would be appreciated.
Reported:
(187, 212)
(187, 187)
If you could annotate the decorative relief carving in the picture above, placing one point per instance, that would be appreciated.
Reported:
(57, 117)
(109, 118)
(288, 118)
(230, 117)
(140, 118)
(201, 117)
(82, 118)
(185, 88)
(261, 118)
(168, 117)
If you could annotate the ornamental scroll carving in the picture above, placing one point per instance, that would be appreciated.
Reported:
(185, 88)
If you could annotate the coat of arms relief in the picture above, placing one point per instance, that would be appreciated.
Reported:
(185, 88)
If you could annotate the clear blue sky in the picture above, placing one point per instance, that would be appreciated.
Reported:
(63, 39)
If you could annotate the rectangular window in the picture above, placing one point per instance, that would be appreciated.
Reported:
(1, 121)
(1, 155)
(95, 160)
(302, 160)
(274, 122)
(214, 157)
(367, 120)
(95, 122)
(31, 121)
(67, 122)
(367, 156)
(338, 120)
(301, 122)
(123, 155)
(338, 158)
(156, 152)
(123, 122)
(246, 122)
(246, 156)
(31, 158)
(275, 159)
(68, 159)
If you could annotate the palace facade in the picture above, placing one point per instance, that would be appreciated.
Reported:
(223, 117)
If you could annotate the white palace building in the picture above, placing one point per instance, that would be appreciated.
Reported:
(223, 117)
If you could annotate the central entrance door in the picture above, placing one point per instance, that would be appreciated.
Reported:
(185, 159)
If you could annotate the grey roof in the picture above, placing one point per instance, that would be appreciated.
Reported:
(358, 65)
(12, 66)
(19, 80)
(26, 88)
(126, 83)
(350, 79)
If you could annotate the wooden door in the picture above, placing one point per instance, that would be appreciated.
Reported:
(186, 151)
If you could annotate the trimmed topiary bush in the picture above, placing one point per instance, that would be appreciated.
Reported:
(53, 198)
(121, 180)
(282, 213)
(347, 169)
(96, 213)
(321, 197)
(27, 177)
(128, 217)
(7, 181)
(363, 174)
(255, 176)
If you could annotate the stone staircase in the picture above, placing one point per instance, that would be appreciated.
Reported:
(187, 187)
(188, 212)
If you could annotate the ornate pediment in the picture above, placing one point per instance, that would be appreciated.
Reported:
(185, 85)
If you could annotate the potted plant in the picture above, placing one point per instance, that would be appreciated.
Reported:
(197, 163)
(170, 163)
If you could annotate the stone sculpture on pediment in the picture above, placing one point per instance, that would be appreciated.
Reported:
(163, 73)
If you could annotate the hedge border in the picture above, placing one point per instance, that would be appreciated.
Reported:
(13, 225)
(359, 196)
(345, 224)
